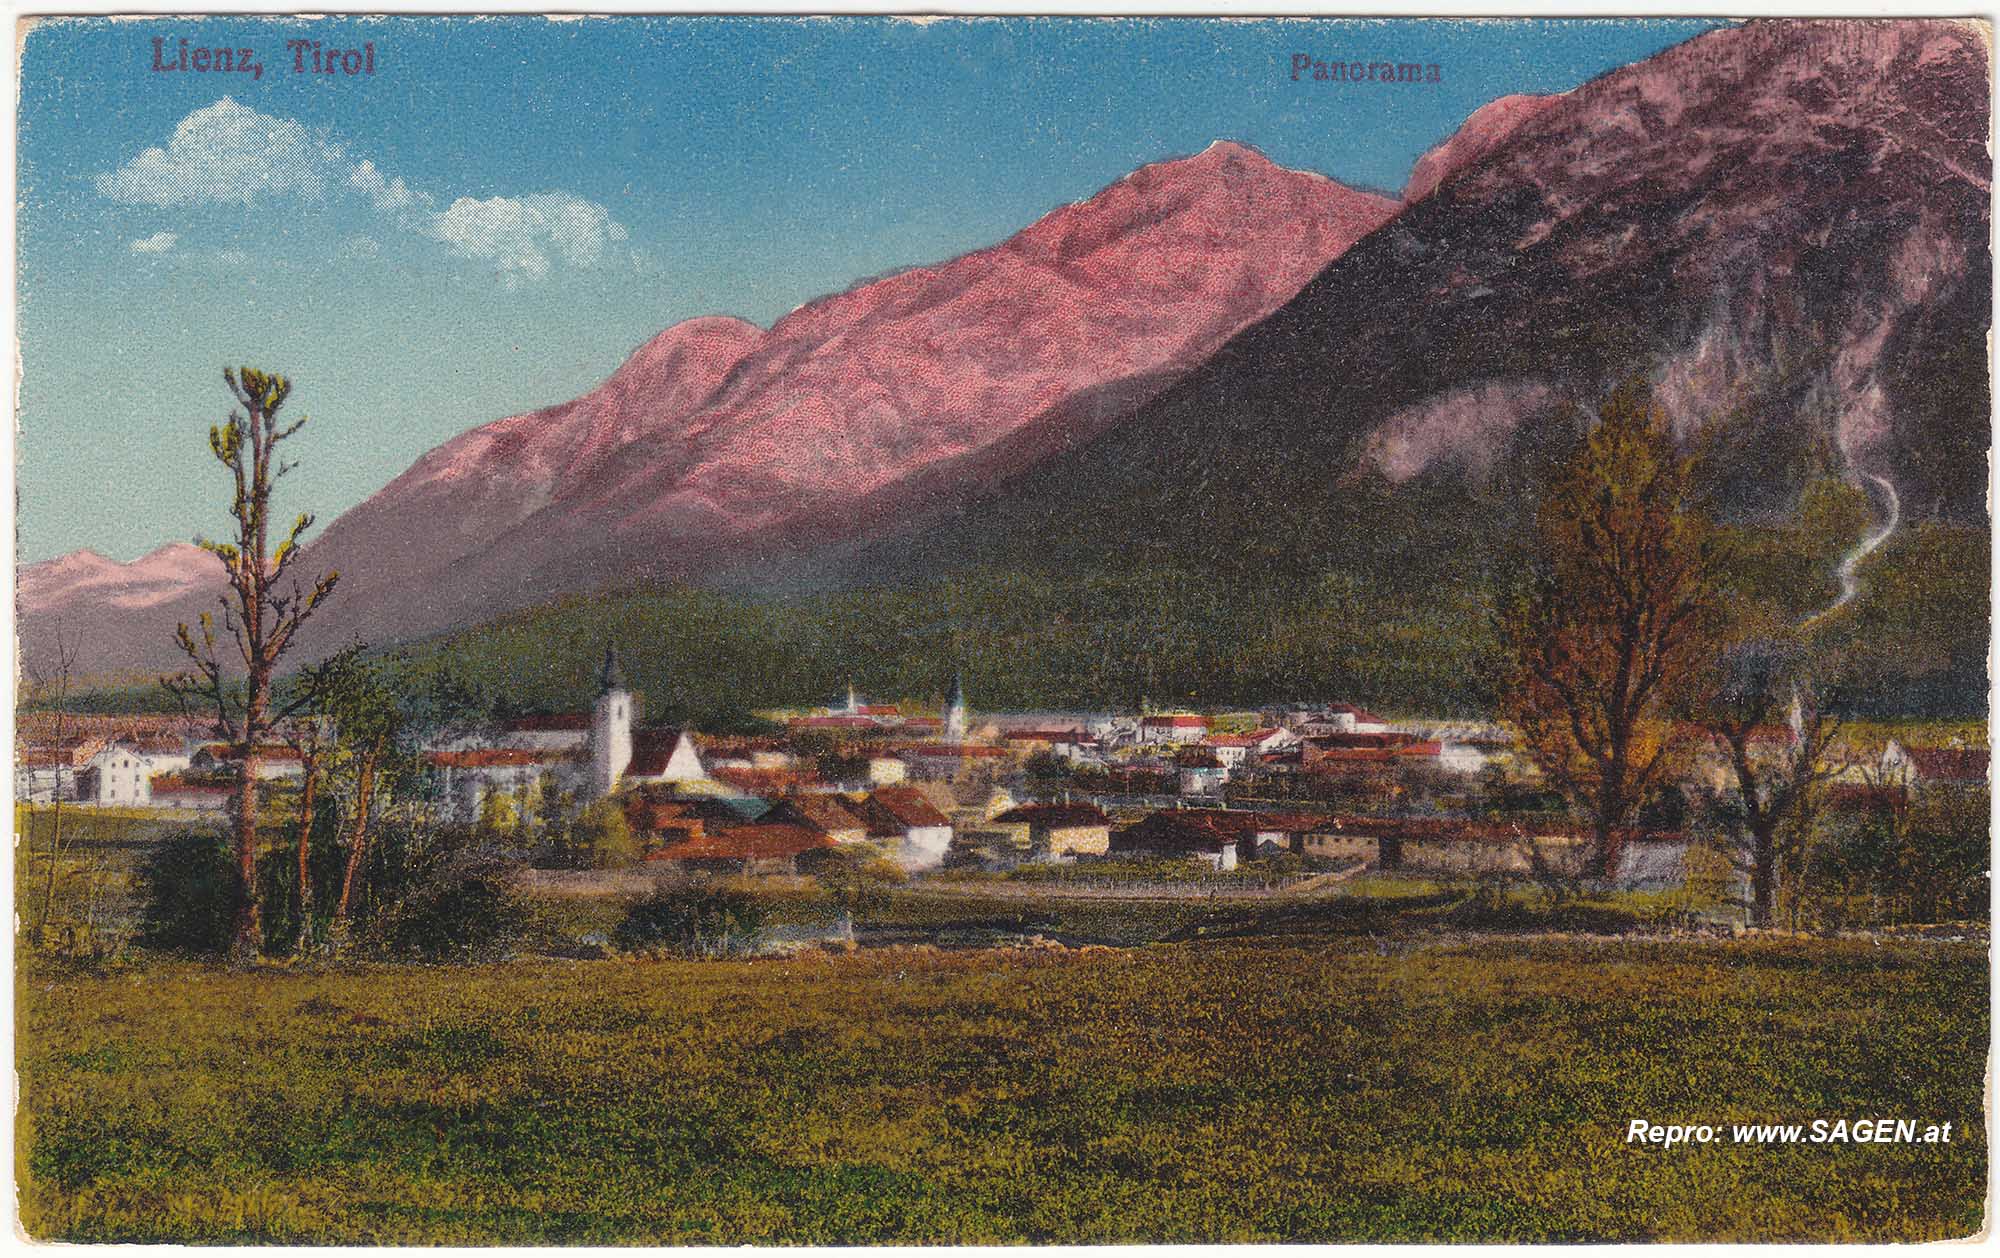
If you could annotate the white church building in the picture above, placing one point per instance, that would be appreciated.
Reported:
(594, 756)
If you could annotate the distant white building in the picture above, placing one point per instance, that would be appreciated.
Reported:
(119, 775)
(1460, 758)
(1175, 729)
(1344, 718)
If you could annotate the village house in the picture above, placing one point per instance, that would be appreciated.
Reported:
(44, 772)
(1172, 729)
(175, 793)
(914, 831)
(749, 849)
(944, 762)
(274, 761)
(661, 817)
(1058, 832)
(1918, 769)
(466, 778)
(1075, 746)
(1200, 772)
(1181, 834)
(1343, 718)
(828, 814)
(118, 775)
(1237, 750)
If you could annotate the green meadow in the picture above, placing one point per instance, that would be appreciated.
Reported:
(1294, 1087)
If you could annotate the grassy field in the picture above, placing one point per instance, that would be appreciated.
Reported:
(1297, 1086)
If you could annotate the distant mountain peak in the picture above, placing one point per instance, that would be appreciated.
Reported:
(155, 577)
(1484, 130)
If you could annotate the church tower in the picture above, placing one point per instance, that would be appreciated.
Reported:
(954, 710)
(610, 726)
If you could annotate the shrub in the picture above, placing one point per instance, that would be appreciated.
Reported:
(192, 890)
(467, 910)
(699, 920)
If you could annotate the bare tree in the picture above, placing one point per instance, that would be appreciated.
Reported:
(52, 686)
(1774, 773)
(261, 611)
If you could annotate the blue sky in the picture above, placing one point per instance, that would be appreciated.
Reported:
(507, 207)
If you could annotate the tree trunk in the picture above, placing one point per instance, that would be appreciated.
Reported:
(248, 939)
(308, 798)
(55, 850)
(1763, 879)
(358, 845)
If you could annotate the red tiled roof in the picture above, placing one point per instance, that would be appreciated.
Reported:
(754, 842)
(907, 806)
(770, 783)
(1359, 714)
(169, 784)
(879, 709)
(1177, 720)
(267, 751)
(1948, 764)
(1047, 736)
(1357, 742)
(832, 722)
(825, 813)
(651, 749)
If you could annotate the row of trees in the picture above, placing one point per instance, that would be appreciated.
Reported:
(1624, 633)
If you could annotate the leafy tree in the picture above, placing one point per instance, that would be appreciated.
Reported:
(603, 838)
(369, 721)
(313, 732)
(1616, 618)
(262, 611)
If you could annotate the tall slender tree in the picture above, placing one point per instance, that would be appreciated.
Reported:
(1616, 619)
(261, 611)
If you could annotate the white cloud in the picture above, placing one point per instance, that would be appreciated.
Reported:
(517, 235)
(226, 153)
(387, 195)
(230, 154)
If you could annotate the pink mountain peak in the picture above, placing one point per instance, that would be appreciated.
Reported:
(1487, 128)
(172, 569)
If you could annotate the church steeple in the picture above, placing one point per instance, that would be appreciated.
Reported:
(611, 720)
(954, 708)
(611, 676)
